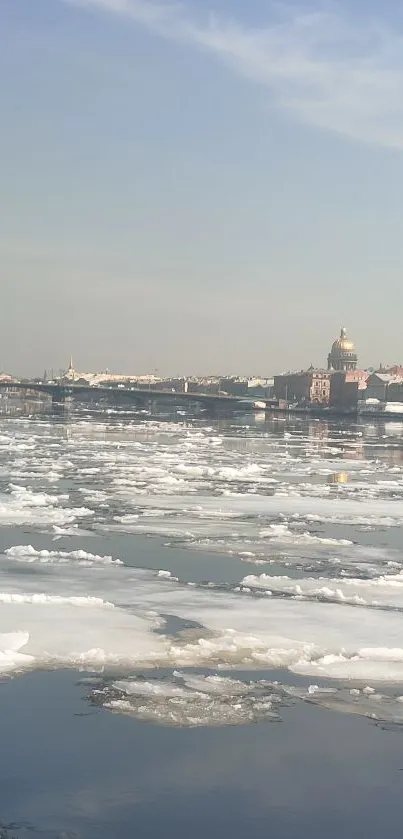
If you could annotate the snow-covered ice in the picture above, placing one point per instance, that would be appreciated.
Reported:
(332, 612)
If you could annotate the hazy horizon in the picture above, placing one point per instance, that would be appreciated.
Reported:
(199, 190)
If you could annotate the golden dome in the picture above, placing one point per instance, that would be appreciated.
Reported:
(342, 356)
(342, 343)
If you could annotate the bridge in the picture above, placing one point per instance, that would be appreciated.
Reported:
(139, 396)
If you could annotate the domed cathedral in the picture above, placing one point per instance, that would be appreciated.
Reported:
(342, 356)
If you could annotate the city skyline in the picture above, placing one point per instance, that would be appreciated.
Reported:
(342, 356)
(190, 190)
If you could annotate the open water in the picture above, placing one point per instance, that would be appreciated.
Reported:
(200, 627)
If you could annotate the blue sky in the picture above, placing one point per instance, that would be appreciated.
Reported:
(193, 187)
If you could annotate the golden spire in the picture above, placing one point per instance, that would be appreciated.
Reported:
(343, 343)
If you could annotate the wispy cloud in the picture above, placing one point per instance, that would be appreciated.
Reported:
(337, 72)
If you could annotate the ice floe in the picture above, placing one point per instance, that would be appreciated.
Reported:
(266, 496)
(27, 553)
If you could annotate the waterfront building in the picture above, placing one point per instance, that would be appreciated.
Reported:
(395, 389)
(339, 385)
(342, 356)
(347, 388)
(248, 387)
(310, 386)
(384, 387)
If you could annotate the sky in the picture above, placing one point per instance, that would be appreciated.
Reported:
(200, 186)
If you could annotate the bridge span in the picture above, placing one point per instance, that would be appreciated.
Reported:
(60, 392)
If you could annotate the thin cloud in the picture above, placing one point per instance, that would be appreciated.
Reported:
(336, 73)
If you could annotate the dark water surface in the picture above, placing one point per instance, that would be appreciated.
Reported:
(69, 770)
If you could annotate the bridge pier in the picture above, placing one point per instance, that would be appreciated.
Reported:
(142, 402)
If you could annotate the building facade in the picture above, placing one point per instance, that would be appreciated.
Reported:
(248, 387)
(310, 386)
(377, 386)
(347, 388)
(384, 387)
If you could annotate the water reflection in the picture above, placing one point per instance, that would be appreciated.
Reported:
(13, 406)
(336, 438)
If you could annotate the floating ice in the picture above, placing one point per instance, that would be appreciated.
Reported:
(27, 553)
(385, 512)
(234, 630)
(10, 656)
(385, 591)
(54, 600)
(379, 707)
(24, 506)
(191, 701)
(65, 632)
(166, 575)
(264, 495)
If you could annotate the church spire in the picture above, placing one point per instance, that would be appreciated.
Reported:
(70, 374)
